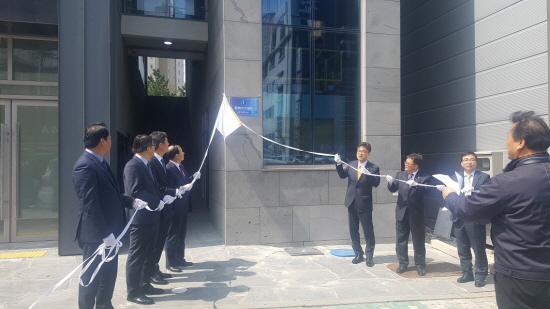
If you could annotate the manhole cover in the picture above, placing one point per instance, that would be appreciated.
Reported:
(303, 251)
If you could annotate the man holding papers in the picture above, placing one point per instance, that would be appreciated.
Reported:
(471, 235)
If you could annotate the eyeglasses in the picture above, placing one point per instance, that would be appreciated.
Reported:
(469, 160)
(408, 164)
(362, 151)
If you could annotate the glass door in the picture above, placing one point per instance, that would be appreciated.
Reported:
(5, 175)
(35, 168)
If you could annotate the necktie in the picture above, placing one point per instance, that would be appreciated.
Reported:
(411, 176)
(359, 168)
(180, 167)
(163, 165)
(467, 183)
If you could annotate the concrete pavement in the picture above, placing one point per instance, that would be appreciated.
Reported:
(249, 277)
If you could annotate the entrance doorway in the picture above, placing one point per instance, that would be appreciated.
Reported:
(29, 182)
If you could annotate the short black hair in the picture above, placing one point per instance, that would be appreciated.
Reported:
(141, 142)
(416, 158)
(158, 137)
(532, 129)
(94, 133)
(467, 153)
(173, 150)
(366, 145)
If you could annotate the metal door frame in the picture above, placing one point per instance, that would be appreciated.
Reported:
(10, 227)
(5, 166)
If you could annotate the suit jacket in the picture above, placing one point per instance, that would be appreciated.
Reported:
(176, 180)
(163, 185)
(139, 183)
(101, 204)
(409, 197)
(479, 179)
(359, 189)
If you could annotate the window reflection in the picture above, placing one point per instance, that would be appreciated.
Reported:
(319, 113)
(35, 60)
(340, 14)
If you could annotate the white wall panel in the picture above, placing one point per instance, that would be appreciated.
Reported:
(517, 46)
(512, 19)
(499, 107)
(517, 75)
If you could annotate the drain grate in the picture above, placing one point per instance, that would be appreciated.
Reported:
(16, 255)
(295, 251)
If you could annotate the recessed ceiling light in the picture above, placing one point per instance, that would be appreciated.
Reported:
(167, 43)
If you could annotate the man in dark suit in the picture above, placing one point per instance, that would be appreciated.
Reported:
(158, 167)
(409, 213)
(140, 183)
(102, 216)
(359, 201)
(471, 234)
(175, 242)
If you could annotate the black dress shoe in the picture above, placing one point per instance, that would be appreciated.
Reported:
(185, 263)
(465, 278)
(143, 300)
(479, 283)
(370, 262)
(421, 270)
(156, 279)
(151, 290)
(163, 275)
(402, 268)
(174, 269)
(358, 259)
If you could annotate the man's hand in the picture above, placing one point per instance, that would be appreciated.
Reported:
(412, 183)
(197, 175)
(180, 192)
(160, 206)
(440, 187)
(337, 159)
(467, 190)
(109, 241)
(389, 179)
(139, 204)
(188, 187)
(167, 199)
(446, 191)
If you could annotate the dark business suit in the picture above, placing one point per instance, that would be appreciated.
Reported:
(167, 212)
(101, 213)
(409, 216)
(471, 234)
(139, 183)
(358, 201)
(175, 242)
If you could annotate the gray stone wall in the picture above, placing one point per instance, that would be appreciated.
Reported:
(250, 204)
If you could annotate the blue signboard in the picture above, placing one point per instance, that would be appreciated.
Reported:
(244, 106)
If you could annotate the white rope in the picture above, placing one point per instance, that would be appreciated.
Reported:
(107, 255)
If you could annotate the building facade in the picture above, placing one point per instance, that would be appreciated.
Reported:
(436, 77)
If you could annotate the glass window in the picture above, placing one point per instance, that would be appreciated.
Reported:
(341, 14)
(320, 113)
(35, 60)
(38, 179)
(3, 58)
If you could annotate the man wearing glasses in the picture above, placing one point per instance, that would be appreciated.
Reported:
(358, 201)
(409, 213)
(471, 234)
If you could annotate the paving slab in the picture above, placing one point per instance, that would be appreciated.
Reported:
(227, 277)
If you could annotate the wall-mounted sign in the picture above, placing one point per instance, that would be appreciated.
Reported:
(244, 106)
